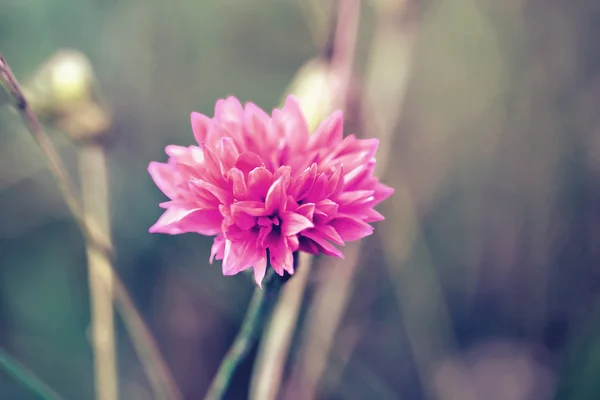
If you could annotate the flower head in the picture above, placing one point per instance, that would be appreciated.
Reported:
(267, 188)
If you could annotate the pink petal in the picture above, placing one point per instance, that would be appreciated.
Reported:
(260, 269)
(293, 123)
(351, 228)
(308, 246)
(328, 232)
(221, 194)
(238, 256)
(236, 234)
(201, 125)
(240, 190)
(180, 220)
(257, 123)
(242, 219)
(329, 132)
(254, 208)
(336, 182)
(304, 182)
(175, 151)
(318, 190)
(248, 161)
(293, 243)
(281, 256)
(228, 152)
(371, 215)
(212, 166)
(163, 177)
(229, 115)
(324, 245)
(382, 192)
(357, 175)
(327, 208)
(307, 210)
(218, 248)
(259, 181)
(355, 197)
(276, 197)
(294, 223)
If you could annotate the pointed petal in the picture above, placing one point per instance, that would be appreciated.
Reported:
(163, 176)
(281, 256)
(260, 269)
(201, 125)
(240, 190)
(351, 228)
(276, 197)
(203, 186)
(228, 152)
(329, 132)
(254, 208)
(229, 117)
(212, 166)
(324, 246)
(328, 232)
(177, 220)
(259, 182)
(304, 182)
(218, 248)
(307, 210)
(294, 223)
(257, 122)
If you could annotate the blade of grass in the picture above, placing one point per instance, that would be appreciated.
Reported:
(27, 377)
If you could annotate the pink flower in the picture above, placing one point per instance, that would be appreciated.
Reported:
(267, 188)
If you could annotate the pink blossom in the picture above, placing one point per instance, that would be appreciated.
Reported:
(267, 188)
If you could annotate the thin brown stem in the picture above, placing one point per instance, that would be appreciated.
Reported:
(92, 167)
(57, 167)
(153, 363)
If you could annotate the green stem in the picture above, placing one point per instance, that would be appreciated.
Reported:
(26, 377)
(260, 309)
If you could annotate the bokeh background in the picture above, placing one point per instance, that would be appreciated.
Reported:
(482, 283)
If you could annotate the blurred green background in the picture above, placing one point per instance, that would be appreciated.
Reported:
(496, 144)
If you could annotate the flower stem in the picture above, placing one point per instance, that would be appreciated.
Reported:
(260, 309)
(94, 190)
(155, 367)
(28, 378)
